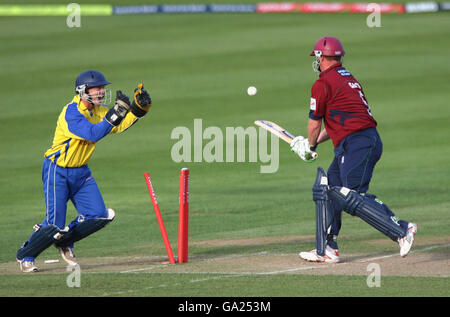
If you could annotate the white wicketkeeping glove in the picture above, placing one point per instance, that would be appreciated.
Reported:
(300, 146)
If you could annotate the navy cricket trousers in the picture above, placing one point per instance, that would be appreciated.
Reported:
(352, 167)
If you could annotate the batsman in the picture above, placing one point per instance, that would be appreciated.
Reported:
(65, 172)
(338, 100)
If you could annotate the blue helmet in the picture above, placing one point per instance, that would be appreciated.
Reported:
(89, 79)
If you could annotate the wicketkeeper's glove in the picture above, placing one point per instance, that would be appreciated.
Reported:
(141, 101)
(301, 147)
(116, 114)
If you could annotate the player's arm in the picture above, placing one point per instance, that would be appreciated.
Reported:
(315, 136)
(79, 127)
(305, 148)
(323, 136)
(127, 122)
(314, 132)
(317, 109)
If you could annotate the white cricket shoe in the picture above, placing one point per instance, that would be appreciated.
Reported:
(68, 255)
(331, 256)
(27, 266)
(407, 241)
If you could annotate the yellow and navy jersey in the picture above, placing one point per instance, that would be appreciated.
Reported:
(78, 130)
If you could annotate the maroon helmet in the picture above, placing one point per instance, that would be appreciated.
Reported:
(326, 46)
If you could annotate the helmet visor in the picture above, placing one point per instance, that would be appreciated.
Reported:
(98, 96)
(316, 62)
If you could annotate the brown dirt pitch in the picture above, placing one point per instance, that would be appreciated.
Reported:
(429, 257)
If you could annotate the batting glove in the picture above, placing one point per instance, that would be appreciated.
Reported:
(300, 146)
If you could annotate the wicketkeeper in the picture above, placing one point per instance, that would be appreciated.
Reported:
(65, 173)
(338, 100)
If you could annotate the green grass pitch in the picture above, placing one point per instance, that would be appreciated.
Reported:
(199, 66)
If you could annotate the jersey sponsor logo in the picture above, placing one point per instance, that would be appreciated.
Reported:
(343, 72)
(313, 104)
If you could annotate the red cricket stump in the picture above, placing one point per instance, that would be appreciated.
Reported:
(159, 218)
(183, 216)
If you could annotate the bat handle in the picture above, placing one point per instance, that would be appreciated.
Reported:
(311, 156)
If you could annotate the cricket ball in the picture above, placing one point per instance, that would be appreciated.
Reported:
(251, 91)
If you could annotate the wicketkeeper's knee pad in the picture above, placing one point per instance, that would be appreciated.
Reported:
(324, 210)
(84, 229)
(40, 240)
(371, 211)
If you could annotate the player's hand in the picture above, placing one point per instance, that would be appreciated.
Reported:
(116, 114)
(122, 100)
(141, 101)
(300, 146)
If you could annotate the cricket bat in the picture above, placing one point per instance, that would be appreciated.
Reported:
(279, 131)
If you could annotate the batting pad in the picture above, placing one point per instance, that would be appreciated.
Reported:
(40, 240)
(324, 210)
(84, 229)
(367, 209)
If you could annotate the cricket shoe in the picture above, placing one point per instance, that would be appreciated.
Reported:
(331, 256)
(27, 266)
(407, 241)
(68, 255)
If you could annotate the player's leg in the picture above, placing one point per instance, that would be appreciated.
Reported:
(324, 210)
(371, 211)
(410, 229)
(324, 219)
(93, 214)
(39, 240)
(387, 210)
(352, 167)
(364, 150)
(334, 179)
(55, 196)
(356, 165)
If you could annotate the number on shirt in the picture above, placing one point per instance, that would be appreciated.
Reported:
(363, 98)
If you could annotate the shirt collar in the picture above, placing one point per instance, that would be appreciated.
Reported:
(330, 69)
(81, 105)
